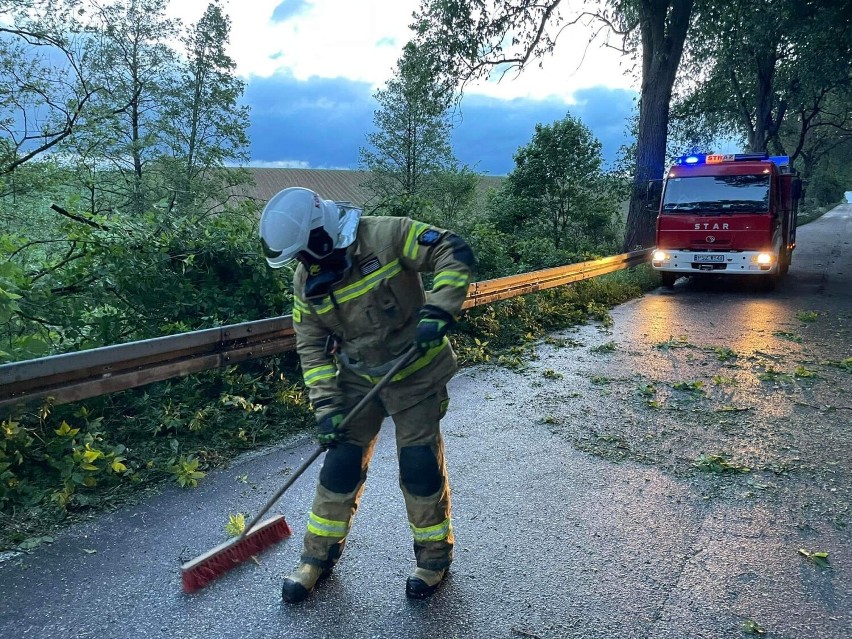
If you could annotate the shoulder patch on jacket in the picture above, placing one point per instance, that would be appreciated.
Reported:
(370, 265)
(429, 237)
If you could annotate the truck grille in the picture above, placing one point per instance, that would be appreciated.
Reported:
(704, 266)
(706, 246)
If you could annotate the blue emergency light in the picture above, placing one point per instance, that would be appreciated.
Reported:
(717, 158)
(780, 160)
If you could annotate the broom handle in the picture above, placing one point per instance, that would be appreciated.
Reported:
(401, 362)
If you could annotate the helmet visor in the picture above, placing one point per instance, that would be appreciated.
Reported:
(268, 251)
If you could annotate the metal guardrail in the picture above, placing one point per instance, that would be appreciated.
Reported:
(76, 376)
(505, 287)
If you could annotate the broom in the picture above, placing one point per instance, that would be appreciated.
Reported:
(197, 573)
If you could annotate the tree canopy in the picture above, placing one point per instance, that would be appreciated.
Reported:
(558, 189)
(410, 146)
(107, 211)
(472, 38)
(754, 66)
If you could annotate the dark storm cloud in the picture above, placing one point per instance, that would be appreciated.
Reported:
(288, 9)
(321, 123)
(488, 132)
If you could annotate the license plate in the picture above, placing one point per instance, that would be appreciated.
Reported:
(708, 258)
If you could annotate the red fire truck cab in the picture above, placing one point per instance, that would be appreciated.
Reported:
(727, 215)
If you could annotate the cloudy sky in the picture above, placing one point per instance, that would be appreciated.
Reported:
(312, 67)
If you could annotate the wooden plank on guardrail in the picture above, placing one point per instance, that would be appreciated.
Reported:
(76, 376)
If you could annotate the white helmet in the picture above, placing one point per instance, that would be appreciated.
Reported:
(296, 220)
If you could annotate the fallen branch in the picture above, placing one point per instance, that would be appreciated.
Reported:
(78, 218)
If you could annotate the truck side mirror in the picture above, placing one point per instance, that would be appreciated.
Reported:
(798, 191)
(655, 191)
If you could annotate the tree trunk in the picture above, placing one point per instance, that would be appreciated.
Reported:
(762, 130)
(650, 161)
(663, 30)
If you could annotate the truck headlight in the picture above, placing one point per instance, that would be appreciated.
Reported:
(764, 258)
(660, 256)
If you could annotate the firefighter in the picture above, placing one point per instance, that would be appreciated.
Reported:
(359, 304)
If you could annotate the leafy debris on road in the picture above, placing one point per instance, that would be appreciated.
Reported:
(236, 524)
(807, 317)
(719, 464)
(753, 628)
(773, 375)
(33, 542)
(803, 372)
(817, 558)
(725, 354)
(674, 342)
(690, 387)
(790, 337)
(607, 347)
(845, 364)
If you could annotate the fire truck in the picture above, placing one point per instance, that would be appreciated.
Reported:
(732, 214)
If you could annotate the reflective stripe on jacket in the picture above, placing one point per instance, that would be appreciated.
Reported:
(373, 311)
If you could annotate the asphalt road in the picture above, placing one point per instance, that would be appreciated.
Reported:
(599, 491)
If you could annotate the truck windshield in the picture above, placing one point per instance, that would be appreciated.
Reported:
(717, 194)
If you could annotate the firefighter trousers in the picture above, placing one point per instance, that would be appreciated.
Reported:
(422, 478)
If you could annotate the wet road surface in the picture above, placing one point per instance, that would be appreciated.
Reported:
(652, 479)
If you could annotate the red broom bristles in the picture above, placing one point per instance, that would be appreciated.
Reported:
(198, 572)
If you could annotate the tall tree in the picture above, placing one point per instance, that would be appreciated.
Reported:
(473, 37)
(663, 25)
(136, 65)
(114, 262)
(203, 124)
(453, 195)
(45, 84)
(755, 64)
(558, 189)
(410, 144)
(821, 132)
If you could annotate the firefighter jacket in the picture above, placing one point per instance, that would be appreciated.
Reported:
(372, 313)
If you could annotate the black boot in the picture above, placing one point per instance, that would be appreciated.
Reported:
(298, 585)
(422, 582)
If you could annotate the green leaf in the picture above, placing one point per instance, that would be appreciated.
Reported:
(34, 542)
(818, 558)
(236, 524)
(65, 430)
(753, 628)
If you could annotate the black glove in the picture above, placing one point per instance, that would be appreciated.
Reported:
(329, 433)
(432, 327)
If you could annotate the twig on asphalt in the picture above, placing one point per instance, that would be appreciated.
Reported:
(826, 407)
